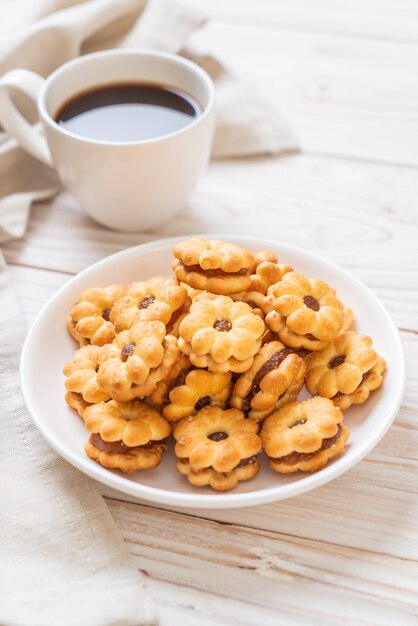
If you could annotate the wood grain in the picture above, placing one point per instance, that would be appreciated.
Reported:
(362, 217)
(276, 570)
(350, 18)
(333, 91)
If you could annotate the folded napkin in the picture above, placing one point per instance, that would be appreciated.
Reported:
(64, 29)
(62, 559)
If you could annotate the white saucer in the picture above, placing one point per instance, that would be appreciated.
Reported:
(48, 346)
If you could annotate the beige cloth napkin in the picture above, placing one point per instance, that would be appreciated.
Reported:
(62, 561)
(246, 125)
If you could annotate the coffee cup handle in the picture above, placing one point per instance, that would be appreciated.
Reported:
(13, 122)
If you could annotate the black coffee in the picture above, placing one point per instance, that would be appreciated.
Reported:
(127, 112)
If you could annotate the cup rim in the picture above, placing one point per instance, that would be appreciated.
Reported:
(175, 58)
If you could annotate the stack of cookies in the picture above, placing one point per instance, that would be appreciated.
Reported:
(217, 355)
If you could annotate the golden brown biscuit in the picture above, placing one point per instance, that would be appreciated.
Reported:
(220, 481)
(221, 335)
(348, 319)
(137, 360)
(175, 377)
(304, 312)
(132, 460)
(89, 319)
(216, 438)
(76, 402)
(268, 271)
(275, 378)
(130, 424)
(173, 326)
(155, 299)
(370, 381)
(81, 372)
(342, 366)
(213, 265)
(200, 389)
(254, 299)
(304, 436)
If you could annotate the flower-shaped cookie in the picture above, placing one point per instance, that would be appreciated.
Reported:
(304, 312)
(268, 271)
(220, 481)
(81, 372)
(89, 319)
(76, 402)
(217, 439)
(137, 360)
(131, 424)
(340, 367)
(221, 335)
(200, 389)
(155, 299)
(275, 378)
(213, 265)
(128, 436)
(128, 460)
(370, 381)
(304, 436)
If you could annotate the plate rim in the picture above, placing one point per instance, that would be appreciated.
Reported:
(222, 500)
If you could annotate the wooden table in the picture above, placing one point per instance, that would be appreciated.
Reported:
(344, 76)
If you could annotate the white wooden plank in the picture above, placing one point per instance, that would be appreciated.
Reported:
(184, 606)
(378, 19)
(341, 96)
(327, 582)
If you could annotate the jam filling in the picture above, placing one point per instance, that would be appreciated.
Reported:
(297, 423)
(295, 457)
(106, 314)
(311, 303)
(217, 272)
(268, 336)
(365, 375)
(202, 402)
(274, 361)
(127, 351)
(222, 326)
(336, 361)
(146, 302)
(248, 461)
(218, 436)
(180, 380)
(303, 353)
(117, 447)
(173, 319)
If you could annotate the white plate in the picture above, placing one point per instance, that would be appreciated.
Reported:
(48, 346)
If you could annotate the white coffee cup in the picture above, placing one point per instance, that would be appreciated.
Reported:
(132, 185)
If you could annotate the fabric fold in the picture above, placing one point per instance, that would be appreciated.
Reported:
(62, 558)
